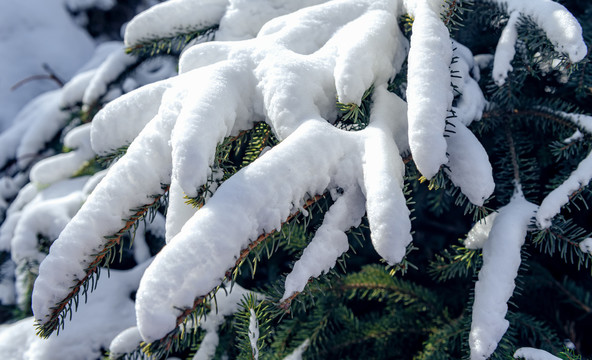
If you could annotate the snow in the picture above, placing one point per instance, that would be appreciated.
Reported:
(560, 196)
(429, 94)
(244, 18)
(297, 353)
(581, 120)
(501, 260)
(382, 184)
(479, 233)
(39, 213)
(36, 124)
(576, 136)
(468, 164)
(253, 201)
(356, 68)
(115, 64)
(189, 15)
(125, 342)
(254, 333)
(329, 241)
(561, 27)
(73, 90)
(85, 233)
(34, 32)
(471, 103)
(586, 246)
(289, 75)
(505, 50)
(528, 353)
(64, 165)
(175, 112)
(137, 107)
(108, 311)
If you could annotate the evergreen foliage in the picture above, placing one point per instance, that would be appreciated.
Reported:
(364, 308)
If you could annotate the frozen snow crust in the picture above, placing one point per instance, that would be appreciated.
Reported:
(286, 66)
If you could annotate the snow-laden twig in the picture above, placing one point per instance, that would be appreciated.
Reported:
(501, 260)
(562, 194)
(468, 164)
(188, 15)
(561, 27)
(429, 93)
(504, 53)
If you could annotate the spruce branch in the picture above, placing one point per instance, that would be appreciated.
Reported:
(51, 75)
(171, 341)
(513, 155)
(173, 44)
(456, 262)
(89, 281)
(453, 13)
(564, 237)
(355, 117)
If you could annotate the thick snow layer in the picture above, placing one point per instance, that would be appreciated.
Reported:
(527, 353)
(244, 18)
(36, 32)
(248, 80)
(108, 311)
(429, 93)
(288, 76)
(84, 235)
(468, 164)
(137, 107)
(560, 196)
(382, 185)
(561, 27)
(505, 50)
(501, 260)
(188, 15)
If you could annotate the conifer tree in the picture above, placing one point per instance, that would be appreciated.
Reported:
(316, 162)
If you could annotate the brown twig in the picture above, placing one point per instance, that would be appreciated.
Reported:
(51, 75)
